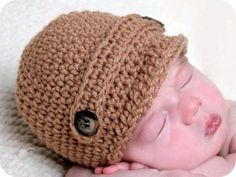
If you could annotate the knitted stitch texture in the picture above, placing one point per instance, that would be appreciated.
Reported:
(111, 65)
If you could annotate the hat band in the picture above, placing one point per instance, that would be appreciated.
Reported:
(105, 65)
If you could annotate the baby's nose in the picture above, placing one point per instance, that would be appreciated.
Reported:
(189, 106)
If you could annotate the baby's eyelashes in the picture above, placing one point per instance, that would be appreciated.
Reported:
(184, 76)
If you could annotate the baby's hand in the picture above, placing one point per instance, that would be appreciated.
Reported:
(119, 166)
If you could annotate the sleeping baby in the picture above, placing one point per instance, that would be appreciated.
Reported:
(117, 95)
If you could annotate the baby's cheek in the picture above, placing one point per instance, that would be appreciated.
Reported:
(208, 91)
(181, 139)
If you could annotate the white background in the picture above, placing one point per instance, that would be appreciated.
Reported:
(4, 2)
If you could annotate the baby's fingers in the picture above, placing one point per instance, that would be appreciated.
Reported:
(78, 171)
(112, 168)
(98, 170)
(136, 165)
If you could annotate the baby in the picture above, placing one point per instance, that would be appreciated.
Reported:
(189, 126)
(115, 93)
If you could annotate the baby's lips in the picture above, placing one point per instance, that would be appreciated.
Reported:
(212, 124)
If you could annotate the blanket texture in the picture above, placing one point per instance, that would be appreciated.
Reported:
(21, 153)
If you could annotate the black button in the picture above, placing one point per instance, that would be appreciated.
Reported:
(86, 122)
(149, 18)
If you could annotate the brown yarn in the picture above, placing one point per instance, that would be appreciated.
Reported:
(111, 65)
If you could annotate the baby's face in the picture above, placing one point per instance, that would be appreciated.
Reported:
(176, 132)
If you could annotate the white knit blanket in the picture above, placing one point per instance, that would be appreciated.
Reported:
(21, 153)
(211, 40)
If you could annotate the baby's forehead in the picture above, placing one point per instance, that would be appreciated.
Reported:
(180, 60)
(174, 66)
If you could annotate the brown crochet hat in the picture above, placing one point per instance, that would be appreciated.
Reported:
(86, 80)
